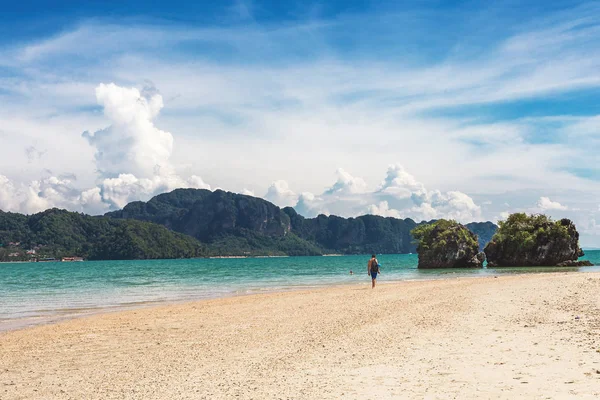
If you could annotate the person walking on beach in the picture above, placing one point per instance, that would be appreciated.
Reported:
(373, 270)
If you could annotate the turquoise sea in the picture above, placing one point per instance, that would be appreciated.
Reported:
(31, 293)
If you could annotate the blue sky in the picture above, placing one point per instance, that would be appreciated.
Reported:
(428, 109)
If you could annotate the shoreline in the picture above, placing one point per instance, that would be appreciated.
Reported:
(67, 314)
(465, 338)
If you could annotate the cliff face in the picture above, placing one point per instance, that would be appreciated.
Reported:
(360, 235)
(447, 244)
(533, 240)
(228, 223)
(206, 215)
(484, 231)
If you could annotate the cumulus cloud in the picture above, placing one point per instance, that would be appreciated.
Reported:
(38, 195)
(132, 159)
(400, 195)
(383, 209)
(91, 201)
(131, 144)
(132, 154)
(348, 196)
(310, 205)
(347, 184)
(119, 191)
(280, 194)
(544, 203)
(7, 194)
(399, 184)
(248, 192)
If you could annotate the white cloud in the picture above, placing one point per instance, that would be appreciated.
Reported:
(7, 195)
(427, 204)
(347, 184)
(383, 209)
(132, 160)
(309, 205)
(455, 205)
(544, 203)
(117, 192)
(280, 194)
(503, 216)
(132, 154)
(248, 192)
(38, 195)
(400, 184)
(131, 144)
(91, 201)
(400, 195)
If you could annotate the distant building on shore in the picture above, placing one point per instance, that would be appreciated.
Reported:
(71, 259)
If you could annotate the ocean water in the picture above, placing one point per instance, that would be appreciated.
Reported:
(31, 293)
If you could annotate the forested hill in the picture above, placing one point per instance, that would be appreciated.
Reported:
(236, 224)
(58, 233)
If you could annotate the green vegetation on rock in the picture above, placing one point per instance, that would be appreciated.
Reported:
(447, 244)
(533, 240)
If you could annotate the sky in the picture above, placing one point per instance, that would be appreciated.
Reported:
(426, 109)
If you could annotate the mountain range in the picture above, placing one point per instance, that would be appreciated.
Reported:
(198, 222)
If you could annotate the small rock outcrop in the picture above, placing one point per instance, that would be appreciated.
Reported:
(533, 240)
(573, 263)
(447, 244)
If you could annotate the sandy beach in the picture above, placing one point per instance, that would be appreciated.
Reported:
(523, 336)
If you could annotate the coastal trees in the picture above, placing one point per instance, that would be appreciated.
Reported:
(58, 233)
(533, 240)
(447, 244)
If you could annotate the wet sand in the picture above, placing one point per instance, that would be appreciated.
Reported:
(523, 336)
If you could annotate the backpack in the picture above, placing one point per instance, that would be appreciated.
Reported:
(374, 266)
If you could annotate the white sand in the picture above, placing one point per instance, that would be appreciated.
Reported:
(505, 338)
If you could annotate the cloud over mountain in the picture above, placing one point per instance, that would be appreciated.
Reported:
(132, 160)
(280, 194)
(400, 195)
